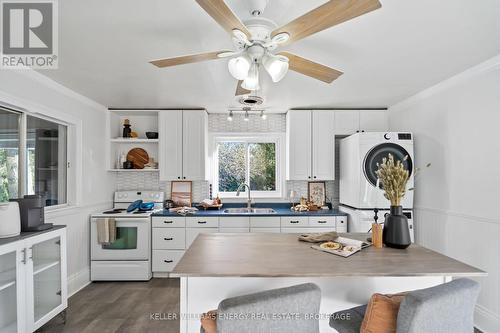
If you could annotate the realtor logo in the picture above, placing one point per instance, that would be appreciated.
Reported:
(29, 34)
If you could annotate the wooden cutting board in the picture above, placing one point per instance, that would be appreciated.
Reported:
(139, 157)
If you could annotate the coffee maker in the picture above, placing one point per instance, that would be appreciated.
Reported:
(32, 210)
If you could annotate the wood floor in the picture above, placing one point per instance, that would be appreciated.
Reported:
(109, 307)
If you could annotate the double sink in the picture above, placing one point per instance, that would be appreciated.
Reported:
(249, 211)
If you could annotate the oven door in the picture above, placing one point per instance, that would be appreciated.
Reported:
(132, 241)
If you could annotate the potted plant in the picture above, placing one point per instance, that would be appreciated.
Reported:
(394, 177)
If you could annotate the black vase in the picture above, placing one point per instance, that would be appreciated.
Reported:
(396, 233)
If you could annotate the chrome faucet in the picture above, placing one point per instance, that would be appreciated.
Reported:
(249, 200)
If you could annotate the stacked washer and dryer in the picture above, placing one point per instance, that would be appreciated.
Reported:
(360, 190)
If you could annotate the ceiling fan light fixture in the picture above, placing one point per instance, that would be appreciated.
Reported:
(230, 116)
(240, 35)
(251, 82)
(276, 66)
(239, 67)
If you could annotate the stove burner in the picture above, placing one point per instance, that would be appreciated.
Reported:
(114, 211)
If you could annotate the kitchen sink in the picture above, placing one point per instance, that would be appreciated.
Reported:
(249, 211)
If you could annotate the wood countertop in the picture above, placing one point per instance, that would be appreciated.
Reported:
(282, 255)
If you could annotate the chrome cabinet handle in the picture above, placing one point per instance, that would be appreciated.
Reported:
(169, 239)
(168, 261)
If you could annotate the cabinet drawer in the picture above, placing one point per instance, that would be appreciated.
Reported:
(202, 222)
(265, 222)
(266, 230)
(191, 234)
(169, 239)
(305, 230)
(341, 223)
(168, 222)
(292, 221)
(234, 222)
(322, 221)
(165, 260)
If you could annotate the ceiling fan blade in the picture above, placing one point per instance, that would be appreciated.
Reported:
(241, 91)
(223, 15)
(325, 16)
(310, 68)
(187, 59)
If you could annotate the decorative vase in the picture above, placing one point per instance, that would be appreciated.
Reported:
(396, 233)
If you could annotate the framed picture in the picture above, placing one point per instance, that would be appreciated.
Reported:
(182, 192)
(316, 193)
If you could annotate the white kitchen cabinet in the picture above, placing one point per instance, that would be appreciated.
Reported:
(169, 238)
(348, 122)
(310, 145)
(341, 223)
(170, 144)
(33, 281)
(168, 222)
(294, 221)
(265, 222)
(182, 144)
(298, 143)
(164, 261)
(322, 221)
(373, 121)
(202, 222)
(234, 222)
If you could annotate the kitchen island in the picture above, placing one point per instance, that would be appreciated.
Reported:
(218, 266)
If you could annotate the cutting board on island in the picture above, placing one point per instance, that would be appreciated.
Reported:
(139, 157)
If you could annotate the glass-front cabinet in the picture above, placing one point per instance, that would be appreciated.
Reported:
(33, 283)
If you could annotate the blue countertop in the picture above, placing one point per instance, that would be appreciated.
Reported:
(281, 209)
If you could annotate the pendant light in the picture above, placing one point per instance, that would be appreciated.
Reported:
(251, 82)
(276, 66)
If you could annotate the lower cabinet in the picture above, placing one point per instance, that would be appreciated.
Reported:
(33, 281)
(171, 236)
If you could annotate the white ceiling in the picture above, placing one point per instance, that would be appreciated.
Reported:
(387, 55)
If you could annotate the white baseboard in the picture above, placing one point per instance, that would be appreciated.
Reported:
(78, 281)
(486, 321)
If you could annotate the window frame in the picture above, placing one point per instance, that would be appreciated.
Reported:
(72, 130)
(277, 138)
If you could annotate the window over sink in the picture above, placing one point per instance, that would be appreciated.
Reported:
(255, 160)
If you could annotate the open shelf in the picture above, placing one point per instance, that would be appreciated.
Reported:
(133, 140)
(134, 170)
(43, 265)
(7, 279)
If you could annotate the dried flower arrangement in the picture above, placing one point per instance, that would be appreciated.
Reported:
(393, 177)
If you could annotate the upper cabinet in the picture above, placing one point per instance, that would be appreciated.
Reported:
(183, 144)
(310, 145)
(348, 122)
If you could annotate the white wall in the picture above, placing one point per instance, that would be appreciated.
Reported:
(456, 128)
(36, 93)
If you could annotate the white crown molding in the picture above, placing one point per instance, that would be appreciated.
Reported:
(48, 82)
(484, 67)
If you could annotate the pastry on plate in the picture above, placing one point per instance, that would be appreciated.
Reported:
(331, 245)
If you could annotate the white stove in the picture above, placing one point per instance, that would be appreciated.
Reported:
(129, 257)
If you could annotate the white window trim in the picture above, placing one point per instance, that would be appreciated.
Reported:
(73, 142)
(277, 137)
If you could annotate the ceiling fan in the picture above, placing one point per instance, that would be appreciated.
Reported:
(256, 40)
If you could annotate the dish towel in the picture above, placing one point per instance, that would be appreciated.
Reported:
(319, 237)
(106, 231)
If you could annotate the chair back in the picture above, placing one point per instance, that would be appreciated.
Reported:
(447, 307)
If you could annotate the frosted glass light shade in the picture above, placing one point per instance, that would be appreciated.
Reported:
(251, 82)
(239, 67)
(276, 66)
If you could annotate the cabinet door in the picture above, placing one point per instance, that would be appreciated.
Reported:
(46, 281)
(12, 290)
(194, 144)
(323, 145)
(298, 142)
(373, 121)
(170, 144)
(346, 122)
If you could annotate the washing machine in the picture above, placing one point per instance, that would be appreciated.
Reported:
(360, 220)
(359, 155)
